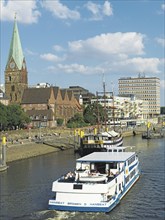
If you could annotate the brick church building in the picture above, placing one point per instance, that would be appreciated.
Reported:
(43, 105)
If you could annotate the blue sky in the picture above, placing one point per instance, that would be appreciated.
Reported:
(74, 42)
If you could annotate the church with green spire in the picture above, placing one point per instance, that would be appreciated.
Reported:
(15, 72)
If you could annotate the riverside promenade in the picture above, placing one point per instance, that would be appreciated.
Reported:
(23, 144)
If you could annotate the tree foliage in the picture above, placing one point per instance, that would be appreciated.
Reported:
(60, 121)
(3, 116)
(94, 114)
(76, 121)
(12, 117)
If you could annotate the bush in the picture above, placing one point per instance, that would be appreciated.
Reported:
(60, 121)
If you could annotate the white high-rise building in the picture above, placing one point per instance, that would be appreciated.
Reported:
(144, 88)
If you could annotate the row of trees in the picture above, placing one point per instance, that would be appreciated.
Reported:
(12, 117)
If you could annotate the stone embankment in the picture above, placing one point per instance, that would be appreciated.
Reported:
(23, 144)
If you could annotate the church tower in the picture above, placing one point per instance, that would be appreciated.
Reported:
(15, 72)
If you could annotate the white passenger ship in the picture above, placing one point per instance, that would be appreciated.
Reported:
(100, 181)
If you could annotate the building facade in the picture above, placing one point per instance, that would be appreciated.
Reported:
(144, 88)
(15, 72)
(46, 105)
(120, 108)
(82, 95)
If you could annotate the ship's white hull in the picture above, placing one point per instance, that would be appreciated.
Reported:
(91, 206)
(88, 190)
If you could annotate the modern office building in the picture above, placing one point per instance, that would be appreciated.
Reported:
(82, 94)
(144, 88)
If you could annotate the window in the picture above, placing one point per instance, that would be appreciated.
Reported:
(15, 97)
(9, 78)
(12, 88)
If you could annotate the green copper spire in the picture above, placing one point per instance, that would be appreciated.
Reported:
(15, 51)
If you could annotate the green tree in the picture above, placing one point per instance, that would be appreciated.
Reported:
(3, 117)
(94, 114)
(60, 121)
(76, 121)
(16, 117)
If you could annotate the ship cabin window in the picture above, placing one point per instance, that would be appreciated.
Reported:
(119, 186)
(99, 138)
(90, 137)
(127, 179)
(105, 138)
(93, 167)
(96, 138)
(113, 165)
(132, 173)
(131, 160)
(79, 166)
(100, 167)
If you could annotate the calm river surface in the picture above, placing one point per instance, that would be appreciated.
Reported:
(26, 186)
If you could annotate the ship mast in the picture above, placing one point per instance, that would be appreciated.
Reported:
(105, 110)
(113, 107)
(98, 114)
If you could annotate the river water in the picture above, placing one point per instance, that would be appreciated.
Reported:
(25, 187)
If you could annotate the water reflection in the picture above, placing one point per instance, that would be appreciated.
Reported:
(26, 186)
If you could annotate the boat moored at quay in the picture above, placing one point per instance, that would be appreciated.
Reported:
(99, 182)
(100, 142)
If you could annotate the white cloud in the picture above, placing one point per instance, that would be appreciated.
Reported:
(60, 10)
(107, 9)
(30, 52)
(111, 53)
(94, 8)
(76, 68)
(110, 43)
(26, 11)
(99, 11)
(139, 64)
(163, 6)
(58, 48)
(133, 66)
(51, 57)
(161, 41)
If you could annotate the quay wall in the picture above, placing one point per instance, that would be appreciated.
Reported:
(21, 144)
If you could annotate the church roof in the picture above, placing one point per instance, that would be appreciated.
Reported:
(15, 51)
(36, 95)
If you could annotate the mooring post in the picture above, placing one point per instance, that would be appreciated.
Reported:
(4, 151)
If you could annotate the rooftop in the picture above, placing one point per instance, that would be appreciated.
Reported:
(106, 157)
